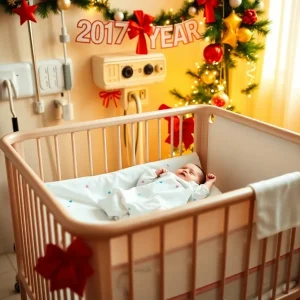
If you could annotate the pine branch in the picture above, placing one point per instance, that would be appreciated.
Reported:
(249, 89)
(175, 93)
(192, 74)
(261, 27)
(248, 50)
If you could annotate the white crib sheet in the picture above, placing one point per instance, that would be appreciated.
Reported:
(79, 196)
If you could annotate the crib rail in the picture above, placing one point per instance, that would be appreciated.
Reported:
(39, 220)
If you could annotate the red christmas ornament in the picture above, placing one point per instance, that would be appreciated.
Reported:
(66, 269)
(220, 99)
(140, 29)
(187, 130)
(26, 12)
(250, 16)
(209, 6)
(213, 53)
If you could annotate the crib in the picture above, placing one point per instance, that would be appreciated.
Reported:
(205, 250)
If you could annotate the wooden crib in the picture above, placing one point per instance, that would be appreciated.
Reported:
(204, 250)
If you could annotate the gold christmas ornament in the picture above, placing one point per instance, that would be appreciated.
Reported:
(63, 4)
(232, 22)
(244, 35)
(208, 77)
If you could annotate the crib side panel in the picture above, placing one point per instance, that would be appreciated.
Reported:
(240, 154)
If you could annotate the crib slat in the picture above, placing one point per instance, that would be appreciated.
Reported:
(119, 147)
(45, 242)
(180, 134)
(275, 278)
(20, 216)
(147, 140)
(247, 254)
(28, 233)
(162, 262)
(41, 167)
(133, 137)
(172, 137)
(24, 229)
(89, 138)
(262, 267)
(289, 270)
(57, 157)
(39, 242)
(159, 138)
(194, 257)
(105, 149)
(37, 288)
(224, 255)
(56, 242)
(74, 155)
(131, 270)
(64, 246)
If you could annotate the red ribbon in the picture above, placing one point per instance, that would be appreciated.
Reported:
(107, 96)
(209, 6)
(140, 29)
(66, 269)
(187, 130)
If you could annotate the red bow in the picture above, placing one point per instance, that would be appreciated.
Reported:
(209, 12)
(114, 95)
(143, 26)
(187, 130)
(68, 268)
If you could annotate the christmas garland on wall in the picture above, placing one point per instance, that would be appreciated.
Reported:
(187, 11)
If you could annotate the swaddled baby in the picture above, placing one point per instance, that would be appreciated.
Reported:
(158, 190)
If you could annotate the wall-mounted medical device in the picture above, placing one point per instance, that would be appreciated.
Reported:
(122, 70)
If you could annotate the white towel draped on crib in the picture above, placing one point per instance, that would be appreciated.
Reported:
(278, 204)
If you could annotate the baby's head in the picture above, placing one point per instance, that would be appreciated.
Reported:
(191, 172)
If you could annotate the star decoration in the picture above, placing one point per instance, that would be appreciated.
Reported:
(66, 269)
(11, 2)
(232, 23)
(26, 12)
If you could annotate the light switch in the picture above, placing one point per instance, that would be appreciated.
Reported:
(44, 78)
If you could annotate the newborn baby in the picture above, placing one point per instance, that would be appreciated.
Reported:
(158, 190)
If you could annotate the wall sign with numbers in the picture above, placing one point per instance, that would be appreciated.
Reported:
(114, 32)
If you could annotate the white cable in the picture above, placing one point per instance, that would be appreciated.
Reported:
(10, 85)
(63, 40)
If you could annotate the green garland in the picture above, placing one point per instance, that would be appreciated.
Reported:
(45, 7)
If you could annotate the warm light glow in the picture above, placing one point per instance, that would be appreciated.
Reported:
(217, 81)
(201, 23)
(212, 91)
(167, 22)
(171, 9)
(249, 96)
(207, 39)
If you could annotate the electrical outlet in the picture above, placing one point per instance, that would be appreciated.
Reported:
(143, 94)
(21, 76)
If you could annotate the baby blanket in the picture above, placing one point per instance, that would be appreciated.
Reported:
(151, 193)
(278, 204)
(80, 196)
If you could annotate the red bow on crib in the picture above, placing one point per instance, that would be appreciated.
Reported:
(187, 130)
(140, 29)
(209, 6)
(66, 269)
(107, 96)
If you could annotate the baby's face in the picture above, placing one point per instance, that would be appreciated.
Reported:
(190, 172)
